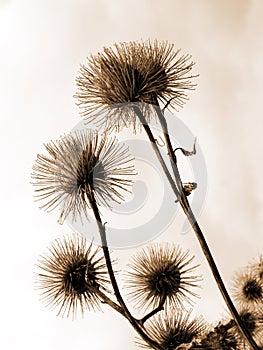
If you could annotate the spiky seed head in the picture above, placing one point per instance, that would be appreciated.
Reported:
(253, 321)
(221, 337)
(161, 272)
(78, 168)
(71, 274)
(173, 329)
(248, 288)
(133, 73)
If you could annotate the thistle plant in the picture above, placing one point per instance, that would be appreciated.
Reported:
(145, 284)
(128, 86)
(73, 277)
(78, 169)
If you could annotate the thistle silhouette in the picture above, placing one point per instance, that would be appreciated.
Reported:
(72, 276)
(161, 273)
(125, 86)
(78, 167)
(174, 329)
(134, 72)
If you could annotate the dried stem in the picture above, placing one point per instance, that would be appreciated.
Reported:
(111, 303)
(191, 218)
(178, 190)
(156, 149)
(122, 308)
(159, 308)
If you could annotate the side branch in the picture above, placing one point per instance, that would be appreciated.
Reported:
(159, 308)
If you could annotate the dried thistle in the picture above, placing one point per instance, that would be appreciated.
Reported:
(248, 289)
(253, 321)
(140, 73)
(161, 272)
(70, 276)
(79, 168)
(173, 329)
(220, 337)
(227, 336)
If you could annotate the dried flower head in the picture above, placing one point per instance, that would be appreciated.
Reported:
(135, 72)
(80, 168)
(248, 289)
(71, 274)
(220, 337)
(172, 329)
(253, 321)
(159, 273)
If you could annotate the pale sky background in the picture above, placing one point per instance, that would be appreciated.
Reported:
(42, 44)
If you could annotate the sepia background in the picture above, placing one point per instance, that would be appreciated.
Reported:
(42, 44)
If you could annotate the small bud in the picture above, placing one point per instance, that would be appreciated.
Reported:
(189, 187)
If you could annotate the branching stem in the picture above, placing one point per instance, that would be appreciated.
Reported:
(108, 301)
(122, 308)
(179, 192)
(191, 218)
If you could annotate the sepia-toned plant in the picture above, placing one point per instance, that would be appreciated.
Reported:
(248, 288)
(161, 273)
(174, 328)
(72, 275)
(138, 73)
(78, 167)
(129, 85)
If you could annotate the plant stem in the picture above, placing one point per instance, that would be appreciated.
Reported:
(156, 149)
(153, 312)
(108, 301)
(122, 308)
(191, 218)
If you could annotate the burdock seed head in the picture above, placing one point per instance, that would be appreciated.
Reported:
(173, 328)
(253, 321)
(132, 74)
(80, 168)
(161, 272)
(248, 288)
(70, 275)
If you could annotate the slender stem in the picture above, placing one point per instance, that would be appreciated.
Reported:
(191, 218)
(160, 307)
(107, 300)
(122, 308)
(156, 149)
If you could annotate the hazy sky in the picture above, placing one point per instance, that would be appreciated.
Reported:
(42, 44)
